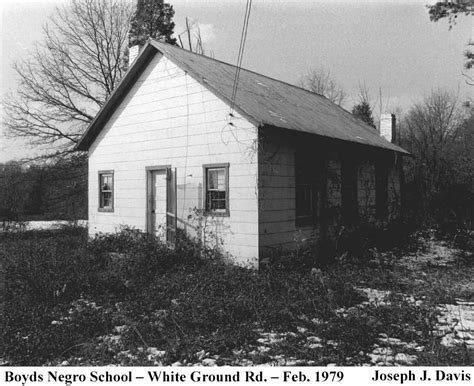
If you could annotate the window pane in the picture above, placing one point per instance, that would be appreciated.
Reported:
(106, 199)
(216, 179)
(106, 181)
(220, 200)
(212, 179)
(209, 200)
(303, 200)
(220, 204)
(349, 191)
(221, 179)
(216, 200)
(216, 189)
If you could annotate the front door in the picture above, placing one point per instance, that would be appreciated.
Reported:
(161, 211)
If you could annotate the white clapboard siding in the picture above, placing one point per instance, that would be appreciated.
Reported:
(276, 195)
(168, 118)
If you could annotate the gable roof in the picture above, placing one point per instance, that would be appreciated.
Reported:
(262, 100)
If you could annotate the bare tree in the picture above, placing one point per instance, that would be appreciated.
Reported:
(320, 82)
(192, 39)
(434, 132)
(364, 96)
(378, 103)
(70, 74)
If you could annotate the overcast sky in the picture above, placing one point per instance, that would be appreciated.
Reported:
(388, 45)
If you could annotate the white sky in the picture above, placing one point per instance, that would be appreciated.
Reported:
(390, 45)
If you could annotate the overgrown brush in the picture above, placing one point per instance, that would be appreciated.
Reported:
(203, 302)
(66, 296)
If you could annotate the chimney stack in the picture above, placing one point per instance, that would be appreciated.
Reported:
(388, 127)
(133, 52)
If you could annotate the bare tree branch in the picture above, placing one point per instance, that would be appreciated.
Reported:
(194, 41)
(434, 131)
(70, 73)
(320, 82)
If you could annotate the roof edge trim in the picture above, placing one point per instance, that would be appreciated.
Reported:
(115, 98)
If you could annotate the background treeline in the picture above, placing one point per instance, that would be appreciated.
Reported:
(48, 191)
(439, 132)
(73, 71)
(439, 183)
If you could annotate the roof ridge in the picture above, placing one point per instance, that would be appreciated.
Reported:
(347, 112)
(242, 68)
(336, 123)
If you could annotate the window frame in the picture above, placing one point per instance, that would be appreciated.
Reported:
(214, 212)
(349, 191)
(307, 168)
(102, 208)
(381, 190)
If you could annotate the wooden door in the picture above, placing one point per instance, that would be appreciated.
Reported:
(158, 203)
(171, 213)
(161, 213)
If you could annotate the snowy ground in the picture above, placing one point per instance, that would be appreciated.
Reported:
(455, 326)
(39, 225)
(34, 225)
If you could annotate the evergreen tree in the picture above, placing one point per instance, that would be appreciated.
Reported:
(363, 111)
(152, 19)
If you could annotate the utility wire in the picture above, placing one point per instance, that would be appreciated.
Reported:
(241, 49)
(240, 56)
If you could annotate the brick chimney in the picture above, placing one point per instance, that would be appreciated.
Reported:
(388, 127)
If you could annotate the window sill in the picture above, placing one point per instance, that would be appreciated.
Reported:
(305, 222)
(216, 214)
(106, 210)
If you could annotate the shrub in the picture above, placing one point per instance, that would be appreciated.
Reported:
(133, 259)
(47, 266)
(218, 308)
(358, 241)
(65, 296)
(33, 334)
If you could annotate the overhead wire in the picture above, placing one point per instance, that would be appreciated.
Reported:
(243, 38)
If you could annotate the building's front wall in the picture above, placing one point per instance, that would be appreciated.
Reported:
(168, 118)
(277, 186)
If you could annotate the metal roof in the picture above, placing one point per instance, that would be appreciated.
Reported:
(262, 100)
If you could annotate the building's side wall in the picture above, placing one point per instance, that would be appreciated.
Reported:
(277, 202)
(276, 193)
(366, 190)
(395, 180)
(168, 118)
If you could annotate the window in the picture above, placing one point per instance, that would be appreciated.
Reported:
(306, 193)
(216, 182)
(106, 191)
(350, 210)
(381, 191)
(304, 200)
